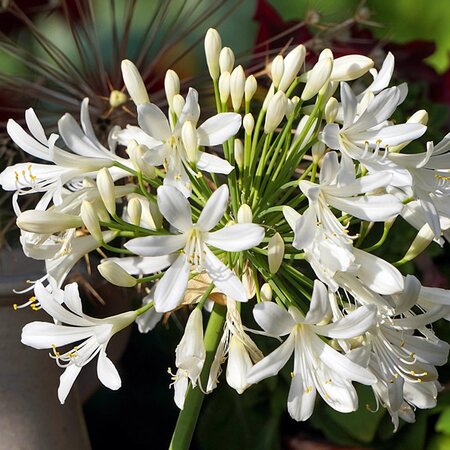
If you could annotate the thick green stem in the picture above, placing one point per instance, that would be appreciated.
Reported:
(188, 416)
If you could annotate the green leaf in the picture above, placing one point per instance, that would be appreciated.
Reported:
(443, 423)
(439, 442)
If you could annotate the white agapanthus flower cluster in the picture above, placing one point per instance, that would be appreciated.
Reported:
(264, 205)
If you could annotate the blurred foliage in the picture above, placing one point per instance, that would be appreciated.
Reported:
(400, 20)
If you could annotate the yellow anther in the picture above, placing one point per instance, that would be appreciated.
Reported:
(292, 374)
(15, 307)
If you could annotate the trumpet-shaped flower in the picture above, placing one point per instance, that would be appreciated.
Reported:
(317, 366)
(194, 241)
(88, 155)
(94, 334)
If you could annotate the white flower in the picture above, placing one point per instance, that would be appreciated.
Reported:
(430, 180)
(240, 349)
(88, 156)
(317, 366)
(166, 145)
(194, 240)
(94, 334)
(363, 135)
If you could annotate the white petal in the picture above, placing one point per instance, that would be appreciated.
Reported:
(237, 237)
(224, 279)
(135, 133)
(213, 164)
(54, 309)
(399, 134)
(301, 399)
(175, 208)
(330, 136)
(107, 372)
(349, 104)
(273, 319)
(26, 142)
(72, 298)
(136, 265)
(377, 274)
(343, 365)
(172, 286)
(272, 363)
(66, 381)
(238, 365)
(214, 209)
(291, 216)
(338, 393)
(305, 229)
(382, 79)
(77, 141)
(153, 121)
(217, 129)
(191, 109)
(374, 208)
(320, 304)
(46, 335)
(354, 324)
(379, 110)
(156, 245)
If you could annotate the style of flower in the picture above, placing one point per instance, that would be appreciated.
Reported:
(317, 366)
(169, 146)
(194, 240)
(72, 326)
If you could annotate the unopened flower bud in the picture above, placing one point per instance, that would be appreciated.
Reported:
(190, 140)
(275, 112)
(420, 116)
(239, 153)
(292, 64)
(237, 85)
(249, 123)
(248, 281)
(317, 151)
(277, 70)
(224, 86)
(171, 86)
(317, 78)
(190, 353)
(275, 252)
(292, 103)
(134, 210)
(105, 185)
(137, 153)
(268, 97)
(213, 46)
(238, 365)
(226, 60)
(47, 222)
(90, 220)
(117, 98)
(115, 274)
(156, 215)
(244, 214)
(331, 110)
(178, 103)
(266, 292)
(350, 67)
(134, 83)
(423, 239)
(250, 88)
